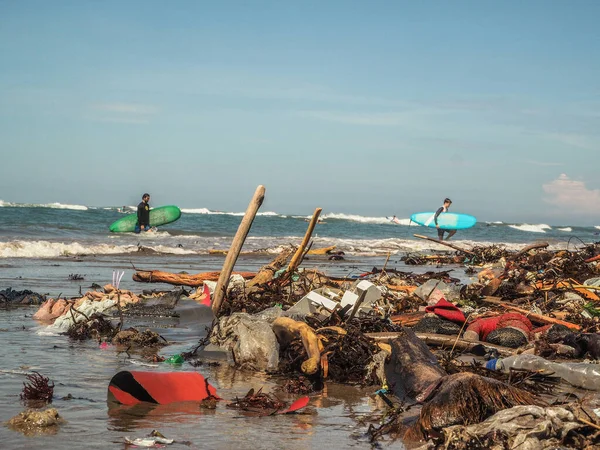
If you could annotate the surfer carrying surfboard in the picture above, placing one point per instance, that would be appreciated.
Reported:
(441, 231)
(143, 214)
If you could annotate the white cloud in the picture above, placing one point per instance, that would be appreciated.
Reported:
(572, 196)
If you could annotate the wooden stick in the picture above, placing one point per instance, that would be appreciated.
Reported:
(592, 259)
(444, 243)
(531, 247)
(266, 273)
(181, 279)
(441, 340)
(236, 247)
(297, 258)
(532, 316)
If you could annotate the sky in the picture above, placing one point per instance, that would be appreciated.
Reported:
(361, 107)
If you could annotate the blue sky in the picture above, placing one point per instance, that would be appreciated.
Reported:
(373, 108)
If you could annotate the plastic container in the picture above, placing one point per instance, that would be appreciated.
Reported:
(584, 375)
(175, 359)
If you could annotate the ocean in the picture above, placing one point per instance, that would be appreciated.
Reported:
(41, 246)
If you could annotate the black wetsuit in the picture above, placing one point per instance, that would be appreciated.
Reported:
(143, 214)
(441, 231)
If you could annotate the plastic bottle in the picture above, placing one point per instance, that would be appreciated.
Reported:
(584, 375)
(175, 359)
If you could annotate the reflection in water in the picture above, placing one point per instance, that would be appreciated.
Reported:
(146, 415)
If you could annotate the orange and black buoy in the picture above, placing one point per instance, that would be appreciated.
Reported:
(132, 387)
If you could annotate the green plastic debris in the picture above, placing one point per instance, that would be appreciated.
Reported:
(592, 310)
(175, 359)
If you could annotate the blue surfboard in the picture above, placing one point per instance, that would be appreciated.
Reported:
(446, 220)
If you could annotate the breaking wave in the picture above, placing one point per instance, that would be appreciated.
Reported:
(540, 228)
(223, 213)
(44, 205)
(46, 249)
(363, 219)
(565, 229)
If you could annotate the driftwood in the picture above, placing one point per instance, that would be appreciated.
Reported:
(321, 251)
(592, 259)
(297, 258)
(441, 340)
(531, 247)
(408, 319)
(287, 330)
(531, 316)
(266, 273)
(236, 247)
(181, 279)
(444, 243)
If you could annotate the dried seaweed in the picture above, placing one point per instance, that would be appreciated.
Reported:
(38, 388)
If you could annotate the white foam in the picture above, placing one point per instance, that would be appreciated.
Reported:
(565, 229)
(540, 228)
(44, 205)
(597, 227)
(62, 206)
(224, 213)
(362, 219)
(46, 249)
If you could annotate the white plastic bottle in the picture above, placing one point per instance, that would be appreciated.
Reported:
(584, 375)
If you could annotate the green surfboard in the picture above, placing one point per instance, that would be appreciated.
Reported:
(158, 216)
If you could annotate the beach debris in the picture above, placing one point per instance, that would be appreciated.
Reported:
(134, 337)
(523, 427)
(82, 307)
(25, 297)
(236, 247)
(508, 330)
(263, 404)
(177, 279)
(38, 387)
(34, 422)
(287, 330)
(463, 399)
(96, 327)
(75, 277)
(133, 387)
(249, 339)
(154, 439)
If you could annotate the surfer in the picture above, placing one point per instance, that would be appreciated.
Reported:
(143, 215)
(441, 231)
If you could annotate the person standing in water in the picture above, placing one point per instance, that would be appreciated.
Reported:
(441, 231)
(143, 214)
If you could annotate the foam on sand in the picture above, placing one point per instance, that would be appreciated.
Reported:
(47, 249)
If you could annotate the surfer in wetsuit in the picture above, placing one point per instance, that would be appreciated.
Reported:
(441, 231)
(143, 214)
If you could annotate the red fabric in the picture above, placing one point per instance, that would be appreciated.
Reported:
(447, 310)
(515, 320)
(485, 326)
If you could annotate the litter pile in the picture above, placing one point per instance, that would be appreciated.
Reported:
(528, 320)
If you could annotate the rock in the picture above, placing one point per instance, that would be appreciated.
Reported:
(33, 422)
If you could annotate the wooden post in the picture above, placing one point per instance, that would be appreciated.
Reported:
(236, 247)
(297, 258)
